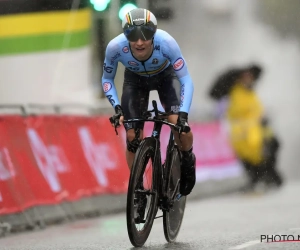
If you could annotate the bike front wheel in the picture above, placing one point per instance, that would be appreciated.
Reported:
(142, 196)
(172, 219)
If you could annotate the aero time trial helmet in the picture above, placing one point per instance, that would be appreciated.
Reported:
(139, 24)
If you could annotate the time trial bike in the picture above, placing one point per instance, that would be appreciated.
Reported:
(154, 185)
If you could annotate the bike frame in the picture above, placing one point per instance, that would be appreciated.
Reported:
(164, 189)
(159, 121)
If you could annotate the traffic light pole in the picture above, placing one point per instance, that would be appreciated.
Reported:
(101, 40)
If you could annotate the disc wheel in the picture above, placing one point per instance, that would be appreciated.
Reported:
(172, 219)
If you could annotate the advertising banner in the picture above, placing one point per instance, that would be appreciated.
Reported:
(48, 159)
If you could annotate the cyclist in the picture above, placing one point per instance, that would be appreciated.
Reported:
(153, 61)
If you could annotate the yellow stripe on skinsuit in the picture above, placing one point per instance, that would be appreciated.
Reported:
(154, 71)
(44, 23)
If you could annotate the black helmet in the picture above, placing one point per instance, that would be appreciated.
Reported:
(139, 24)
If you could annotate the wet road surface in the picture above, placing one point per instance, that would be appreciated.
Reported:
(235, 221)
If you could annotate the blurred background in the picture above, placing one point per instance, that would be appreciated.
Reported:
(57, 59)
(51, 57)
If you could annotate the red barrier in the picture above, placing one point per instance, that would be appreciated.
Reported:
(25, 182)
(47, 159)
(50, 159)
(215, 157)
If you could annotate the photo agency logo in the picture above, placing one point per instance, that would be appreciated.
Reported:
(265, 238)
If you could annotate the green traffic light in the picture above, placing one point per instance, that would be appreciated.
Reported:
(100, 5)
(126, 8)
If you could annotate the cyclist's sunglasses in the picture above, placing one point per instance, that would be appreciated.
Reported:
(134, 33)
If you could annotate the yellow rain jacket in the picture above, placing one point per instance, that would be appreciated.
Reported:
(246, 133)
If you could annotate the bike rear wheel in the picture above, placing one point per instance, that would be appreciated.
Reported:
(142, 183)
(172, 219)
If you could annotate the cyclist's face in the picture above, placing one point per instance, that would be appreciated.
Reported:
(141, 49)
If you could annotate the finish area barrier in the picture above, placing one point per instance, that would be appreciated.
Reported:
(50, 159)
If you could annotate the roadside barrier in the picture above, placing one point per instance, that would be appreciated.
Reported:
(55, 167)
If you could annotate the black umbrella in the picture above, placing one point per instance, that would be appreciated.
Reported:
(223, 84)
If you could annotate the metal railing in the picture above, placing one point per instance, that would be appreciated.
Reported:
(69, 108)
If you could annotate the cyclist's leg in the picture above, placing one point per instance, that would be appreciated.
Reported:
(134, 102)
(169, 94)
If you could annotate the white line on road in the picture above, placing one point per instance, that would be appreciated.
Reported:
(247, 244)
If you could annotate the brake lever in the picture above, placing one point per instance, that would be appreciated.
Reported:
(116, 130)
(179, 133)
(114, 123)
(188, 129)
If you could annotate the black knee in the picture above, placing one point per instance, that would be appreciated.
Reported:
(133, 145)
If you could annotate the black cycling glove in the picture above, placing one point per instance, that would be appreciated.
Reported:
(115, 119)
(182, 122)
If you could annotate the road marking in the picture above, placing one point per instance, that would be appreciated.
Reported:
(247, 244)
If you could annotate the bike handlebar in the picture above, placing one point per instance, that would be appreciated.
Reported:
(177, 128)
(160, 117)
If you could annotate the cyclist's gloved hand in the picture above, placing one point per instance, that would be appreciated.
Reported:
(182, 122)
(117, 119)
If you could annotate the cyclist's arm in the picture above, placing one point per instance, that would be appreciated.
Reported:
(109, 71)
(172, 52)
